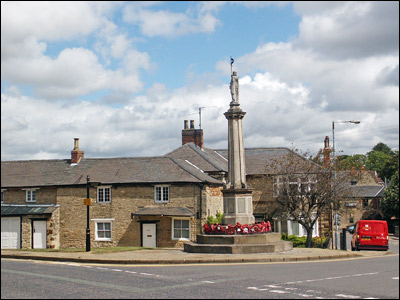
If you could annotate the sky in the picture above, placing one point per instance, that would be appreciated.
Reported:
(123, 76)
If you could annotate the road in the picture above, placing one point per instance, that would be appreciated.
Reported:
(354, 278)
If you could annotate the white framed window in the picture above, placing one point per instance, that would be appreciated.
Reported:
(161, 194)
(103, 229)
(279, 181)
(180, 229)
(104, 194)
(303, 184)
(31, 195)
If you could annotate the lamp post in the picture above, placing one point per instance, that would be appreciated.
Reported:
(333, 138)
(87, 214)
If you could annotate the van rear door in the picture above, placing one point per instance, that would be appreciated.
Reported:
(380, 234)
(366, 233)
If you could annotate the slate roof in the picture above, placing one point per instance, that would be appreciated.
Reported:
(367, 191)
(37, 173)
(258, 160)
(206, 159)
(27, 209)
(266, 160)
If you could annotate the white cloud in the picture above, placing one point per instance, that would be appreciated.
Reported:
(291, 91)
(170, 24)
(350, 29)
(28, 28)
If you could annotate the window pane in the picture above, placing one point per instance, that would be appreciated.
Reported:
(107, 194)
(185, 234)
(158, 193)
(100, 195)
(107, 226)
(185, 224)
(100, 234)
(177, 233)
(107, 234)
(177, 224)
(165, 193)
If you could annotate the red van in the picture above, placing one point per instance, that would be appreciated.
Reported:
(371, 235)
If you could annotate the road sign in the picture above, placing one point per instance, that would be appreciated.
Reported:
(87, 201)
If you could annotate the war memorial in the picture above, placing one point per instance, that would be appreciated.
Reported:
(237, 197)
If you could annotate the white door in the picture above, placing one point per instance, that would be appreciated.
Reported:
(39, 235)
(149, 235)
(10, 233)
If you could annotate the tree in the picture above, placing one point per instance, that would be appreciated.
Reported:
(391, 166)
(348, 162)
(378, 158)
(381, 147)
(305, 190)
(390, 203)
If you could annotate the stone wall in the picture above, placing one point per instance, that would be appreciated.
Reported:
(125, 201)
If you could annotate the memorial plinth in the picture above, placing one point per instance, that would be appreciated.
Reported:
(238, 244)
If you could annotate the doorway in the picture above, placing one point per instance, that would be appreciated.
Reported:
(149, 235)
(39, 234)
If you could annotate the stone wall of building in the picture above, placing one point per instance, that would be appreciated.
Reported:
(263, 199)
(212, 203)
(125, 200)
(44, 195)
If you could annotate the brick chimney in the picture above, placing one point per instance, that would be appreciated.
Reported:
(76, 154)
(192, 135)
(327, 153)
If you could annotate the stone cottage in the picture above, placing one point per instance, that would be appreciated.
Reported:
(150, 201)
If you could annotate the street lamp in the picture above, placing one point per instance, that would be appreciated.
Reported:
(333, 138)
(87, 202)
(87, 214)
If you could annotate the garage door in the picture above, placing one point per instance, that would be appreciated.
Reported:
(10, 233)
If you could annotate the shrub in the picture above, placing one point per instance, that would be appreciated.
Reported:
(215, 220)
(300, 241)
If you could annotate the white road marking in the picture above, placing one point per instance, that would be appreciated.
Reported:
(131, 272)
(100, 268)
(205, 281)
(146, 274)
(348, 296)
(272, 286)
(116, 270)
(305, 295)
(279, 291)
(396, 278)
(330, 278)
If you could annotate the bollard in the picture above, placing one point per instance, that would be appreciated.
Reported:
(343, 244)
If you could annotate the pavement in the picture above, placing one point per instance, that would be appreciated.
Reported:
(178, 256)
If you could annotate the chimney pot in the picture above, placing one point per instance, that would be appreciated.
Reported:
(192, 135)
(76, 154)
(327, 153)
(76, 143)
(186, 126)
